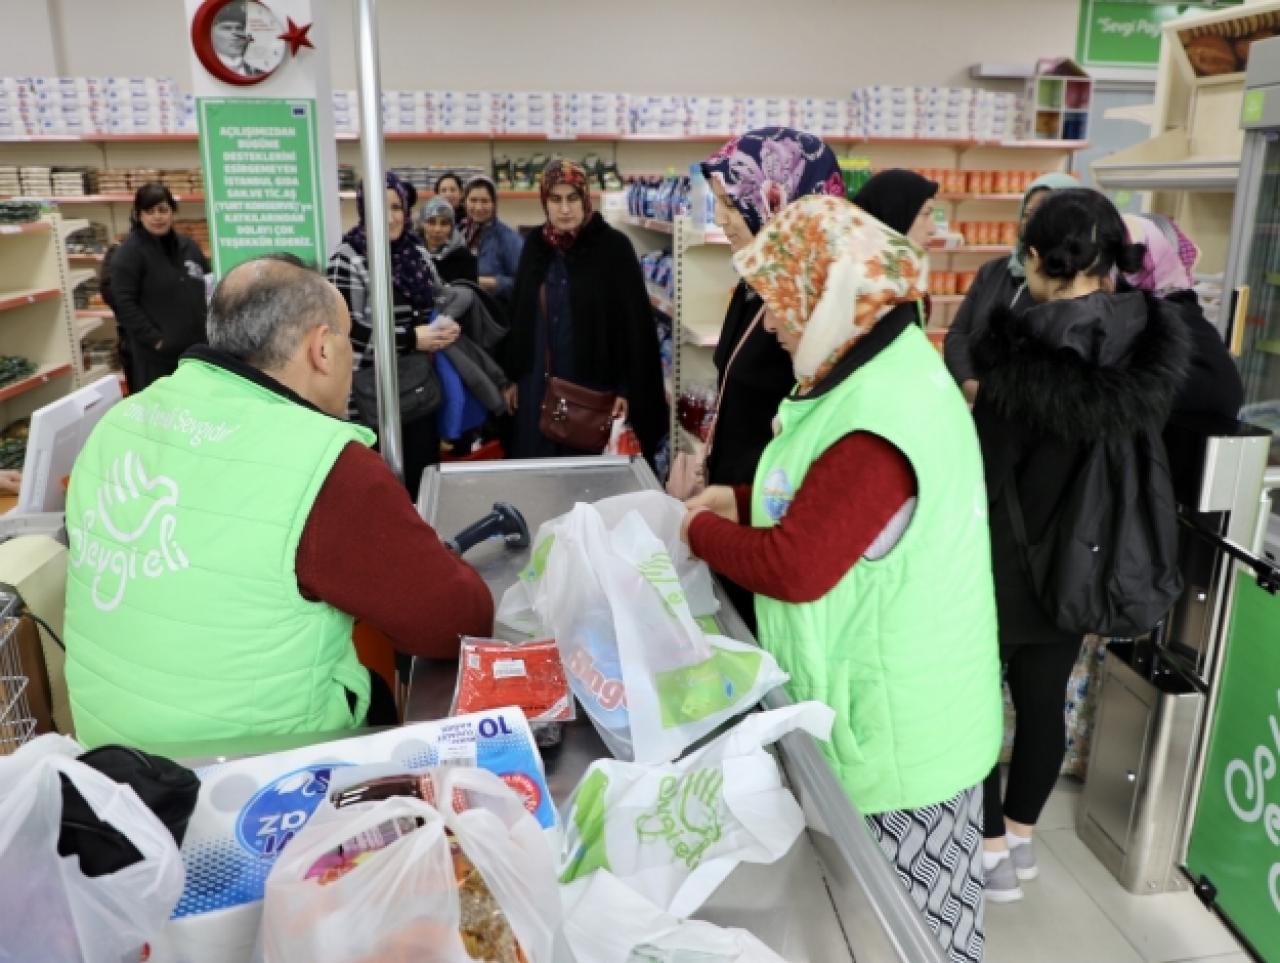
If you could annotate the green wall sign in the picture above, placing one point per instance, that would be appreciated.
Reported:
(1235, 841)
(262, 190)
(1126, 33)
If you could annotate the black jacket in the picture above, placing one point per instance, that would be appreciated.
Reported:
(1055, 377)
(456, 264)
(617, 339)
(759, 379)
(157, 290)
(994, 286)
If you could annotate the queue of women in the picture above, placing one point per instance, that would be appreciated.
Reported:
(851, 492)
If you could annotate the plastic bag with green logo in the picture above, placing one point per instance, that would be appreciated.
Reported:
(605, 584)
(673, 833)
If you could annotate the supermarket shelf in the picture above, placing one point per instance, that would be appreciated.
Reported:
(34, 227)
(648, 223)
(79, 276)
(74, 256)
(1049, 145)
(63, 200)
(20, 299)
(70, 225)
(660, 300)
(710, 236)
(86, 324)
(699, 337)
(94, 313)
(973, 249)
(959, 198)
(42, 375)
(97, 371)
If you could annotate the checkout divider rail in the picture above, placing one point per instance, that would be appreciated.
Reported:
(881, 898)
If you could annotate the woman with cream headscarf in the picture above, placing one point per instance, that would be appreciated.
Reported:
(999, 283)
(865, 540)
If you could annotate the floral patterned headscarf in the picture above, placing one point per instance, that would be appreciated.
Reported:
(829, 271)
(764, 170)
(575, 175)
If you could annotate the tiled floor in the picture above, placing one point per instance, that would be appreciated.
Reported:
(1076, 912)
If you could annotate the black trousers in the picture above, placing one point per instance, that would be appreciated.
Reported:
(1037, 674)
(421, 448)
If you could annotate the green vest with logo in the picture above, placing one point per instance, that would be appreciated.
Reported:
(904, 647)
(184, 621)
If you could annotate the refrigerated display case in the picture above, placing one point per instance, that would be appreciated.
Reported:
(1253, 263)
(834, 896)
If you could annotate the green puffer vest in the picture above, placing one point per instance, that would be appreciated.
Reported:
(904, 647)
(184, 621)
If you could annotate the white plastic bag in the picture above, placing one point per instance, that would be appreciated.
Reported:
(639, 932)
(51, 911)
(402, 902)
(675, 832)
(619, 592)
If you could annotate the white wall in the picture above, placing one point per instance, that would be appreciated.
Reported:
(800, 47)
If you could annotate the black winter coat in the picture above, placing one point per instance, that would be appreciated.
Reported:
(760, 377)
(157, 289)
(617, 339)
(995, 286)
(1055, 377)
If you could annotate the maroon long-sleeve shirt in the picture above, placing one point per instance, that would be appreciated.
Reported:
(366, 551)
(847, 498)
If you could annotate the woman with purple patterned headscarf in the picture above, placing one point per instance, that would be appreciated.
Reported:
(754, 177)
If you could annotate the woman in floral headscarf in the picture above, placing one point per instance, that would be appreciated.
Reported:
(754, 177)
(580, 311)
(865, 540)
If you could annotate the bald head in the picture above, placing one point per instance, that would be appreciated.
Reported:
(263, 309)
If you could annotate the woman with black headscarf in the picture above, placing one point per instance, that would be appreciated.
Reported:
(902, 200)
(413, 288)
(580, 312)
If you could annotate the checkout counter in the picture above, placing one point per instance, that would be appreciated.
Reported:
(834, 896)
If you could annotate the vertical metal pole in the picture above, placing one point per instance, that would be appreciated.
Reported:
(375, 218)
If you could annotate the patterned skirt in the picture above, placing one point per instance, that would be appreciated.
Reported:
(937, 851)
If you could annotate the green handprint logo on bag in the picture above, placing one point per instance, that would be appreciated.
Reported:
(687, 816)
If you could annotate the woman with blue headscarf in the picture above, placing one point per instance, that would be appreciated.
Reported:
(999, 283)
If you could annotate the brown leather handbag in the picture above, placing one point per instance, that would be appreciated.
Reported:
(572, 415)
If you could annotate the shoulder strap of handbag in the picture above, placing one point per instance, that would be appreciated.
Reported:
(724, 379)
(546, 317)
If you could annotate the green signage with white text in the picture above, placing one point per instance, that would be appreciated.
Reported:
(1126, 33)
(262, 188)
(1235, 841)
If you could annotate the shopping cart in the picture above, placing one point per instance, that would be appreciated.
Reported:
(17, 722)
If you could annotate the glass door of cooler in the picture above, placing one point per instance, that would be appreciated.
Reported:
(1254, 275)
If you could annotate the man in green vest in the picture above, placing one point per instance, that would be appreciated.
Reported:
(227, 524)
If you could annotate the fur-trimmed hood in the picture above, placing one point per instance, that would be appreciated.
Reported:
(1105, 364)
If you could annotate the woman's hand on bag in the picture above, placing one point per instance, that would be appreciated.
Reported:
(433, 337)
(620, 408)
(511, 395)
(717, 498)
(488, 283)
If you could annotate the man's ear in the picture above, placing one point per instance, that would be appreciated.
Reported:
(318, 349)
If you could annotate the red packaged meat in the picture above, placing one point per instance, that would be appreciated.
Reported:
(493, 673)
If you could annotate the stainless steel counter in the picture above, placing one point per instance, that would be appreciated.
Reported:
(834, 896)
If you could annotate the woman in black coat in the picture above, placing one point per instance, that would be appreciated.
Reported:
(1079, 364)
(157, 288)
(580, 308)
